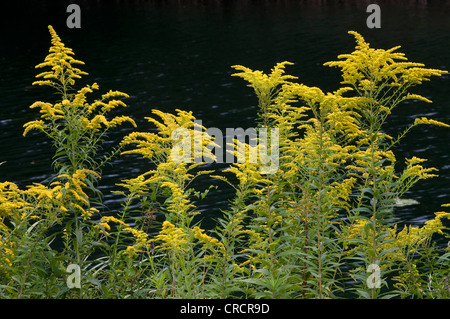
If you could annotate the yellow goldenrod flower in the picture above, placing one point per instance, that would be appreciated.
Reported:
(424, 120)
(208, 241)
(33, 125)
(105, 220)
(172, 237)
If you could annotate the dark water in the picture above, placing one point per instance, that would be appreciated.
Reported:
(177, 54)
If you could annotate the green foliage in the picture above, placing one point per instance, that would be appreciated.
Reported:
(321, 226)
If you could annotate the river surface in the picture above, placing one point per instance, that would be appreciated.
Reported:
(177, 54)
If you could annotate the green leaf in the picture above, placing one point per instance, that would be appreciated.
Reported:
(93, 281)
(362, 209)
(363, 294)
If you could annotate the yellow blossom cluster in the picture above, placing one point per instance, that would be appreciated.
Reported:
(105, 220)
(400, 245)
(6, 255)
(61, 61)
(246, 171)
(368, 69)
(179, 240)
(424, 120)
(74, 193)
(142, 242)
(264, 84)
(136, 186)
(54, 201)
(79, 111)
(160, 146)
(207, 241)
(409, 239)
(172, 238)
(6, 252)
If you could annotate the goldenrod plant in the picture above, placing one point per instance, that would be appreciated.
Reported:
(320, 225)
(76, 127)
(181, 248)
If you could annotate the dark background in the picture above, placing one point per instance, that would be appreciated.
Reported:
(177, 54)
